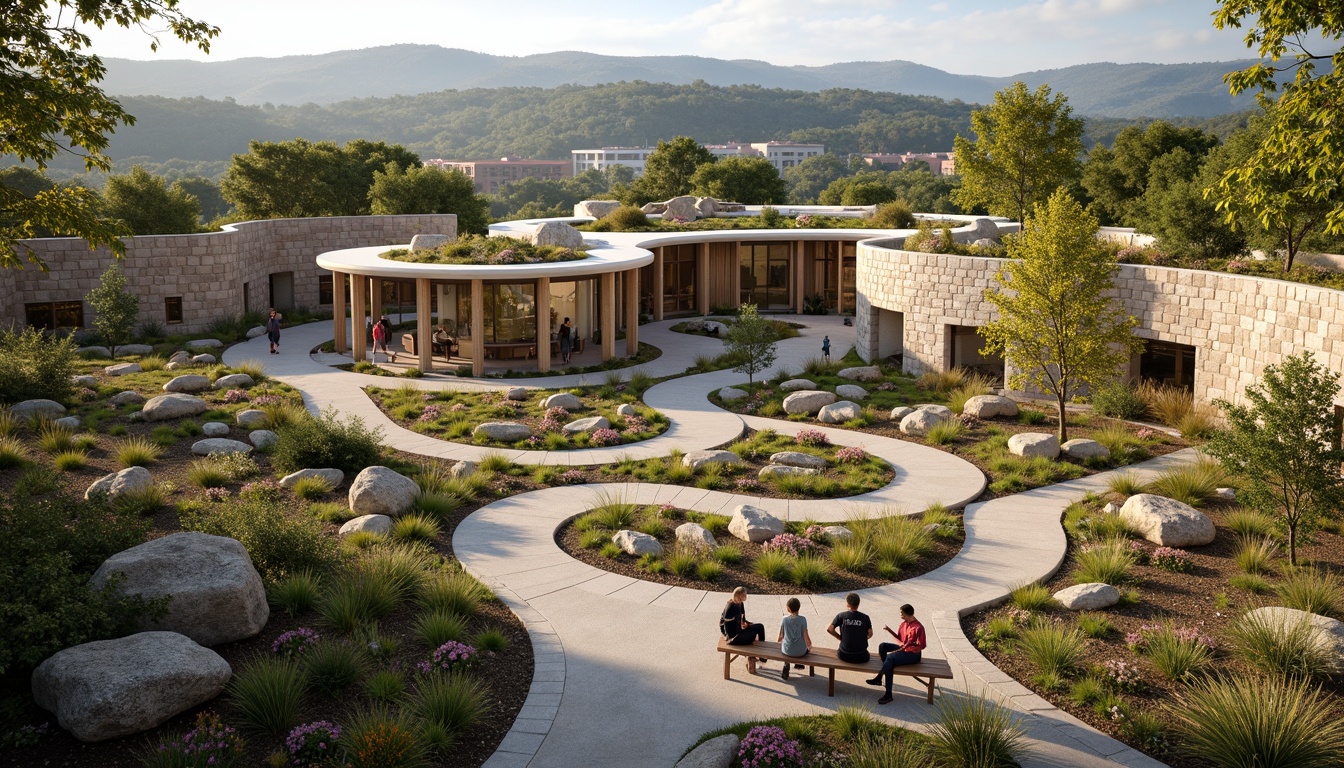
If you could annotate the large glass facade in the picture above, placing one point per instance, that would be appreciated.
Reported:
(765, 275)
(679, 278)
(510, 312)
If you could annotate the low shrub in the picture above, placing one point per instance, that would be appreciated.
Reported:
(1250, 582)
(1289, 649)
(1177, 654)
(69, 461)
(1094, 625)
(385, 687)
(944, 433)
(280, 544)
(415, 528)
(210, 744)
(352, 602)
(1108, 562)
(436, 627)
(268, 693)
(1032, 597)
(137, 452)
(1171, 559)
(1314, 590)
(312, 488)
(975, 732)
(1053, 648)
(1245, 522)
(1259, 722)
(295, 594)
(774, 566)
(332, 666)
(1255, 555)
(35, 365)
(1125, 484)
(811, 572)
(327, 441)
(13, 453)
(455, 592)
(376, 738)
(1193, 484)
(453, 702)
(1119, 400)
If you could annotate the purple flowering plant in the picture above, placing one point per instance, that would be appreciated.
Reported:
(452, 656)
(767, 746)
(791, 543)
(295, 641)
(235, 396)
(605, 437)
(313, 743)
(812, 437)
(217, 494)
(1171, 559)
(264, 400)
(210, 743)
(851, 454)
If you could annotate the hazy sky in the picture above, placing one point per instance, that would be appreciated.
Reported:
(990, 37)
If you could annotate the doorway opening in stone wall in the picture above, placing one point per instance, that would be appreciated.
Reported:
(282, 290)
(890, 335)
(962, 345)
(1168, 364)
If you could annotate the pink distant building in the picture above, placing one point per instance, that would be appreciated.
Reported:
(489, 175)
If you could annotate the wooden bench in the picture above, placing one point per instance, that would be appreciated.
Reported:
(927, 671)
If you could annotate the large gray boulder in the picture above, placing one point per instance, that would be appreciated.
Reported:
(263, 439)
(718, 752)
(128, 397)
(135, 349)
(714, 327)
(84, 381)
(862, 373)
(117, 484)
(67, 422)
(851, 392)
(695, 536)
(1327, 633)
(251, 418)
(982, 229)
(380, 525)
(204, 359)
(1167, 522)
(839, 413)
(429, 242)
(516, 393)
(189, 383)
(989, 407)
(637, 544)
(1088, 597)
(333, 476)
(1031, 445)
(706, 207)
(920, 421)
(590, 424)
(213, 445)
(754, 524)
(562, 400)
(37, 409)
(626, 409)
(215, 429)
(1082, 448)
(204, 343)
(808, 401)
(256, 331)
(215, 595)
(836, 533)
(729, 394)
(503, 431)
(595, 208)
(122, 369)
(234, 381)
(181, 357)
(174, 406)
(773, 470)
(110, 688)
(799, 459)
(793, 385)
(382, 491)
(682, 207)
(557, 233)
(94, 350)
(698, 459)
(900, 412)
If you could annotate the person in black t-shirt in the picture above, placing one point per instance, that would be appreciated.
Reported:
(734, 625)
(853, 629)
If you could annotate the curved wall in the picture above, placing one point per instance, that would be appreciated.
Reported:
(1237, 324)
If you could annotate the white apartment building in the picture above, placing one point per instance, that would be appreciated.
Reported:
(781, 154)
(607, 157)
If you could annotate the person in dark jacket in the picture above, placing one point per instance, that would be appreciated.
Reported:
(735, 626)
(273, 332)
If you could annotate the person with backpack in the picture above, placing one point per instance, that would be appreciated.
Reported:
(826, 348)
(733, 624)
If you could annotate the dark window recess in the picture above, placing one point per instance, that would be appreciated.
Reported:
(55, 314)
(172, 309)
(324, 289)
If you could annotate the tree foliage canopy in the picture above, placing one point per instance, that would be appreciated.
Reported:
(751, 341)
(749, 180)
(1116, 177)
(669, 168)
(428, 189)
(149, 206)
(302, 178)
(115, 310)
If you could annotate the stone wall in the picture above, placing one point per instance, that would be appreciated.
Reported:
(207, 270)
(1237, 324)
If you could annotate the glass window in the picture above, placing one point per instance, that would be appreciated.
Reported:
(172, 309)
(765, 274)
(324, 289)
(40, 315)
(57, 314)
(679, 266)
(510, 312)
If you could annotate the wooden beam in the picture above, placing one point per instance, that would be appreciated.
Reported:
(839, 277)
(338, 310)
(477, 328)
(702, 278)
(631, 312)
(376, 298)
(737, 274)
(543, 324)
(424, 324)
(658, 287)
(798, 275)
(358, 305)
(608, 303)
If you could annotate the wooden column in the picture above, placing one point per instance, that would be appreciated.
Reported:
(608, 302)
(424, 324)
(376, 299)
(658, 287)
(477, 328)
(799, 285)
(543, 324)
(839, 277)
(702, 278)
(737, 274)
(338, 310)
(358, 286)
(631, 312)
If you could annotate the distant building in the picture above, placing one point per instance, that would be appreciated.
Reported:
(786, 154)
(781, 154)
(940, 163)
(489, 175)
(607, 157)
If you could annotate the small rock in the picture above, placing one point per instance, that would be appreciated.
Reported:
(920, 421)
(590, 424)
(1167, 522)
(94, 351)
(84, 381)
(333, 476)
(697, 459)
(862, 373)
(376, 524)
(1110, 508)
(37, 409)
(203, 359)
(251, 418)
(382, 491)
(128, 397)
(1088, 597)
(839, 413)
(428, 242)
(1226, 494)
(219, 445)
(129, 480)
(799, 459)
(900, 412)
(989, 407)
(771, 470)
(173, 365)
(67, 422)
(626, 409)
(1031, 445)
(187, 383)
(516, 393)
(462, 469)
(837, 533)
(1080, 448)
(262, 438)
(715, 328)
(696, 536)
(808, 401)
(234, 381)
(562, 400)
(851, 392)
(793, 385)
(180, 357)
(174, 406)
(637, 544)
(503, 431)
(214, 429)
(718, 752)
(256, 331)
(729, 394)
(204, 343)
(122, 369)
(754, 524)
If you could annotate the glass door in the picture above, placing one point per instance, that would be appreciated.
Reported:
(766, 275)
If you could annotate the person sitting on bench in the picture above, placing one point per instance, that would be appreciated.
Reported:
(910, 642)
(853, 629)
(793, 637)
(443, 344)
(734, 625)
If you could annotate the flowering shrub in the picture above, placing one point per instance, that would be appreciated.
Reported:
(790, 543)
(457, 407)
(886, 386)
(261, 490)
(264, 400)
(217, 494)
(675, 220)
(1171, 559)
(968, 420)
(557, 413)
(1019, 616)
(550, 425)
(605, 437)
(769, 747)
(635, 424)
(85, 393)
(851, 454)
(815, 533)
(1123, 675)
(450, 657)
(812, 437)
(506, 256)
(507, 409)
(431, 413)
(210, 743)
(1138, 641)
(295, 641)
(312, 743)
(1140, 554)
(746, 483)
(534, 440)
(804, 219)
(1146, 433)
(235, 396)
(1236, 265)
(572, 476)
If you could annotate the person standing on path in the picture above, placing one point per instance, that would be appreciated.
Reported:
(734, 625)
(853, 629)
(566, 337)
(273, 332)
(908, 648)
(826, 348)
(793, 637)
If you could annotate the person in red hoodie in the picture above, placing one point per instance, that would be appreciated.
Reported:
(910, 643)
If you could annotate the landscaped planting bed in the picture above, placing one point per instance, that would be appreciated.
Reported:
(804, 558)
(699, 327)
(1137, 669)
(459, 415)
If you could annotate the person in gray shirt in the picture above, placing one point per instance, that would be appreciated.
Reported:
(793, 634)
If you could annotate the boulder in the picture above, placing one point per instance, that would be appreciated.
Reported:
(129, 480)
(376, 524)
(682, 207)
(128, 397)
(729, 394)
(837, 533)
(204, 343)
(429, 242)
(214, 429)
(653, 207)
(1327, 633)
(503, 431)
(262, 438)
(216, 596)
(135, 349)
(839, 413)
(1030, 445)
(984, 229)
(799, 459)
(637, 544)
(256, 331)
(808, 401)
(1080, 448)
(851, 392)
(562, 400)
(920, 421)
(516, 393)
(122, 369)
(187, 383)
(590, 424)
(174, 366)
(626, 409)
(204, 359)
(84, 381)
(793, 385)
(772, 470)
(698, 459)
(718, 752)
(706, 207)
(333, 476)
(754, 524)
(382, 491)
(1167, 522)
(234, 381)
(251, 418)
(985, 242)
(94, 351)
(596, 208)
(715, 328)
(112, 688)
(174, 406)
(67, 422)
(557, 233)
(989, 407)
(941, 410)
(37, 409)
(1088, 597)
(900, 412)
(213, 445)
(696, 536)
(1225, 494)
(862, 373)
(462, 469)
(180, 357)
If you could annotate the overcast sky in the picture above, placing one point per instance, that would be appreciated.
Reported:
(988, 37)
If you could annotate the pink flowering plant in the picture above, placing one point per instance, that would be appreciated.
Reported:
(235, 396)
(262, 401)
(767, 746)
(210, 743)
(815, 533)
(1123, 675)
(571, 476)
(313, 743)
(261, 490)
(605, 437)
(295, 641)
(431, 413)
(851, 454)
(452, 656)
(811, 437)
(1171, 559)
(790, 543)
(217, 494)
